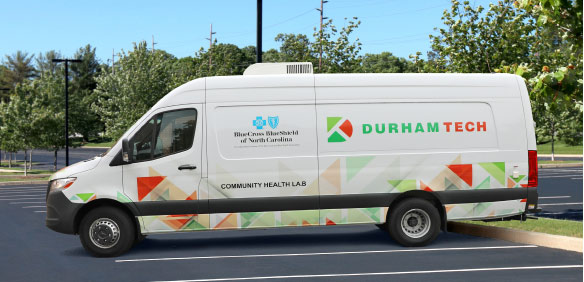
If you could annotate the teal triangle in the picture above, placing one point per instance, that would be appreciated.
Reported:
(74, 198)
(165, 196)
(486, 184)
(356, 164)
(122, 198)
(449, 185)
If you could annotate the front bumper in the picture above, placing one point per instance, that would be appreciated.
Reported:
(61, 213)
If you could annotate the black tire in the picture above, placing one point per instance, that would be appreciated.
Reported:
(421, 222)
(112, 228)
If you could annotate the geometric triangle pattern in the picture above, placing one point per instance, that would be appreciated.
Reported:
(356, 164)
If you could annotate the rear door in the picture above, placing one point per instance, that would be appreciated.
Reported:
(164, 175)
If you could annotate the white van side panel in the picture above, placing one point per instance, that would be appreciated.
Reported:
(375, 160)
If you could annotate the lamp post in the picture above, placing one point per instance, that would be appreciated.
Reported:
(66, 61)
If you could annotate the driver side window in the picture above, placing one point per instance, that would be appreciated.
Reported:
(165, 134)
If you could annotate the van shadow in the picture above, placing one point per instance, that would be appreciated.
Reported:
(268, 241)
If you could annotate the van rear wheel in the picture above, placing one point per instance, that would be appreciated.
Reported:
(413, 222)
(106, 232)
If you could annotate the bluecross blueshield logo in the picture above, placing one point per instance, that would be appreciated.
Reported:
(259, 122)
(274, 121)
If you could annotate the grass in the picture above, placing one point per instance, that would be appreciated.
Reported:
(99, 144)
(559, 148)
(544, 225)
(11, 179)
(559, 162)
(21, 172)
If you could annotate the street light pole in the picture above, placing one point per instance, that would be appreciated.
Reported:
(259, 32)
(66, 61)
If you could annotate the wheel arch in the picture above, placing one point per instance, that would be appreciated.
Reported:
(426, 195)
(129, 209)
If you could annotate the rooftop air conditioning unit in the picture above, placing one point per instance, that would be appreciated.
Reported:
(278, 68)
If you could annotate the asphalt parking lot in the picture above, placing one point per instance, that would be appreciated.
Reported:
(560, 193)
(31, 252)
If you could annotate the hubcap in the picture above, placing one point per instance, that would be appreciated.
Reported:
(415, 223)
(104, 233)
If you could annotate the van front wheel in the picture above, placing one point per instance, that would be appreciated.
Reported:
(413, 222)
(106, 232)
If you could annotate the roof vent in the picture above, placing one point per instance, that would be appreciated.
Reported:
(278, 68)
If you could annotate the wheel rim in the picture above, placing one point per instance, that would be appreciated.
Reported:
(104, 233)
(415, 223)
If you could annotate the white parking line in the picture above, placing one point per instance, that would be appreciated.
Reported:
(18, 199)
(552, 213)
(29, 195)
(20, 203)
(380, 273)
(40, 211)
(554, 197)
(331, 253)
(559, 176)
(560, 204)
(29, 207)
(21, 192)
(24, 187)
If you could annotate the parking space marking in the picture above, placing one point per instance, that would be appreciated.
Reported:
(552, 213)
(331, 253)
(12, 196)
(30, 207)
(23, 187)
(40, 211)
(555, 197)
(21, 192)
(20, 203)
(558, 176)
(560, 204)
(380, 273)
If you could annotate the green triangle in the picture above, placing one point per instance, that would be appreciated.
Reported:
(336, 137)
(122, 198)
(480, 208)
(496, 170)
(193, 225)
(165, 196)
(519, 178)
(356, 164)
(331, 122)
(404, 184)
(84, 196)
(486, 184)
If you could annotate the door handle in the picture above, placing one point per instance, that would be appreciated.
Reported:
(187, 167)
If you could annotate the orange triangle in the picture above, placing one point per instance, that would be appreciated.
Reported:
(425, 187)
(464, 171)
(147, 184)
(330, 222)
(192, 196)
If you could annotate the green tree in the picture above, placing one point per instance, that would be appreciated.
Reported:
(83, 82)
(45, 65)
(140, 79)
(480, 42)
(19, 67)
(386, 62)
(226, 59)
(340, 53)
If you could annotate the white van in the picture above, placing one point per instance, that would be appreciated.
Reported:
(281, 146)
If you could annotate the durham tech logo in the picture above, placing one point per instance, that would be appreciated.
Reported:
(339, 129)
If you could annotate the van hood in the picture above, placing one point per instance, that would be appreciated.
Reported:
(76, 168)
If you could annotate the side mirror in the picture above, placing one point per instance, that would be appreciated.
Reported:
(126, 152)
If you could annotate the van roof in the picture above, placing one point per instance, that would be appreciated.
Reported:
(406, 85)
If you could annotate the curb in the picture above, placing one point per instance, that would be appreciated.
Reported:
(559, 165)
(518, 236)
(24, 182)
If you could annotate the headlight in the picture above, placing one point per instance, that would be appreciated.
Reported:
(60, 184)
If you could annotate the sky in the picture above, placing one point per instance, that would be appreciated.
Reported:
(181, 27)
